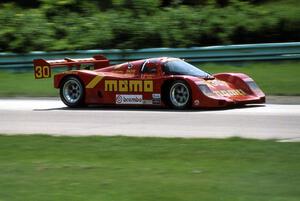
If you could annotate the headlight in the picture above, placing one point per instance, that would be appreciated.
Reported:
(205, 89)
(252, 85)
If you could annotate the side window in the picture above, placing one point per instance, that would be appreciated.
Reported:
(166, 69)
(149, 67)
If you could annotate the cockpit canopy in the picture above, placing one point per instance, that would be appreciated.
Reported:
(180, 67)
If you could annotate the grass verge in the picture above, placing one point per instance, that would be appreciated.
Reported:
(129, 169)
(275, 78)
(24, 84)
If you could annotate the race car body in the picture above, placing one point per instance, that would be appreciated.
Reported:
(163, 82)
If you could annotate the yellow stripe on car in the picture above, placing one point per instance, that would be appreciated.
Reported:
(233, 92)
(94, 82)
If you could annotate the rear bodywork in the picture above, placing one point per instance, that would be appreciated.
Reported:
(144, 82)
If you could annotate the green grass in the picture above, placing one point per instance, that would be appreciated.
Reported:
(275, 78)
(24, 84)
(129, 169)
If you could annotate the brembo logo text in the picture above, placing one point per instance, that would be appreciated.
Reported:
(129, 99)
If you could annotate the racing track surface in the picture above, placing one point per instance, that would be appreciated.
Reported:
(50, 116)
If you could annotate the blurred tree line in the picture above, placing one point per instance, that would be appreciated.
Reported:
(35, 25)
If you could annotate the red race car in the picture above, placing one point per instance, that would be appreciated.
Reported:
(165, 82)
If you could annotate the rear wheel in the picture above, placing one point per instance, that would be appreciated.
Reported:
(72, 92)
(179, 95)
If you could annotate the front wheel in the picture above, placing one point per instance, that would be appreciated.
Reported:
(179, 96)
(72, 92)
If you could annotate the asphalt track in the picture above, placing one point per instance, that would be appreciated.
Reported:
(50, 116)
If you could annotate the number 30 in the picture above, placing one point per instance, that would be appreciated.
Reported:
(42, 72)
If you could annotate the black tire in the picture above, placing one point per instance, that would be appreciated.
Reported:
(179, 95)
(72, 92)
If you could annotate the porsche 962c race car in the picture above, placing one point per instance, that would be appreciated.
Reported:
(164, 82)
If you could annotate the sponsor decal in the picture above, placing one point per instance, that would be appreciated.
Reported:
(196, 102)
(147, 102)
(216, 83)
(156, 101)
(156, 96)
(129, 85)
(129, 99)
(233, 92)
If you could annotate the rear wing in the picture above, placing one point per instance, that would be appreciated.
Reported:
(42, 67)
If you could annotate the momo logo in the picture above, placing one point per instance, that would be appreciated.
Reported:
(129, 99)
(129, 85)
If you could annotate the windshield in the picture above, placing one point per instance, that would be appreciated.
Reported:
(180, 67)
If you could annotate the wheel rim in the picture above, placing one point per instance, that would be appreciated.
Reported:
(179, 94)
(72, 91)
